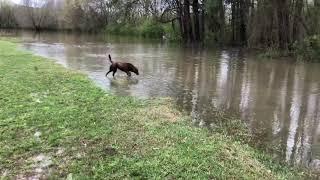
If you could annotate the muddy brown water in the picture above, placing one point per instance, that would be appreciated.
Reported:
(278, 99)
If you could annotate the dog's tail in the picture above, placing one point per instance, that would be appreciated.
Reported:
(110, 59)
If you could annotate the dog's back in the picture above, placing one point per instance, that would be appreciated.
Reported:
(126, 67)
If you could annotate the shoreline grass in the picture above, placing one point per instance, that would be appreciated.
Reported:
(55, 123)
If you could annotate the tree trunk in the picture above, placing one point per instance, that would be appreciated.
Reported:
(233, 19)
(180, 18)
(222, 20)
(202, 24)
(297, 26)
(243, 21)
(195, 7)
(283, 20)
(187, 22)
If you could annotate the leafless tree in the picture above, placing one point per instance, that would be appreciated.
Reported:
(7, 18)
(37, 12)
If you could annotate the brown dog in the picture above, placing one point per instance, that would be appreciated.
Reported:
(125, 67)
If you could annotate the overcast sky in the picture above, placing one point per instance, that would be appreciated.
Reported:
(16, 1)
(33, 3)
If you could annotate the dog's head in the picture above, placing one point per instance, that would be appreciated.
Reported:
(135, 70)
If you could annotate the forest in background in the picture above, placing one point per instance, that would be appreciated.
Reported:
(274, 25)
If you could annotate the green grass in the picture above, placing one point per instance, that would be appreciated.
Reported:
(88, 133)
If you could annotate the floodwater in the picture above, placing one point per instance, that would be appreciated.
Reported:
(278, 99)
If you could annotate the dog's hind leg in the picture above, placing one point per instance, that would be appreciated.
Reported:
(108, 72)
(114, 72)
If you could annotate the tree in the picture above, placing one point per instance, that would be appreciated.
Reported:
(7, 18)
(253, 23)
(37, 12)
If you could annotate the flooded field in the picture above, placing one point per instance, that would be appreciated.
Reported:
(278, 99)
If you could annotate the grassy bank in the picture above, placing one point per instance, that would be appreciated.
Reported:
(57, 123)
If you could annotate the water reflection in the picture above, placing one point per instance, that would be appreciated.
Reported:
(278, 99)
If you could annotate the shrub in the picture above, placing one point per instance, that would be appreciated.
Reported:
(308, 49)
(122, 29)
(151, 29)
(170, 33)
(148, 28)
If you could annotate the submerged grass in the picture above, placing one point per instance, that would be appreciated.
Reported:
(56, 123)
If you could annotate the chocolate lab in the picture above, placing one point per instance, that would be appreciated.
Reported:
(125, 67)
